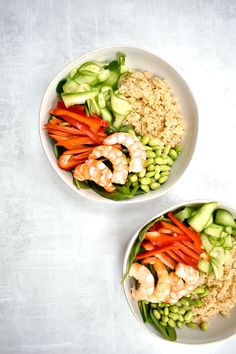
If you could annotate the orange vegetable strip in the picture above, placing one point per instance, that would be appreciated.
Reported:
(170, 239)
(189, 252)
(185, 259)
(78, 151)
(156, 251)
(92, 122)
(171, 227)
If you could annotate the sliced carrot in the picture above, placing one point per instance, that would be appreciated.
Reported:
(78, 151)
(156, 251)
(170, 239)
(164, 231)
(75, 142)
(63, 128)
(55, 121)
(147, 245)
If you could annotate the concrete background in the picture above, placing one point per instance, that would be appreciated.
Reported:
(61, 255)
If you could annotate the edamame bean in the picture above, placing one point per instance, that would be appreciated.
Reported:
(151, 168)
(145, 140)
(164, 168)
(204, 294)
(184, 301)
(186, 308)
(178, 304)
(174, 309)
(164, 319)
(131, 132)
(145, 180)
(163, 323)
(158, 153)
(153, 306)
(161, 312)
(178, 149)
(204, 326)
(181, 318)
(147, 148)
(149, 162)
(135, 184)
(166, 311)
(165, 173)
(142, 173)
(171, 323)
(157, 168)
(157, 176)
(192, 325)
(173, 154)
(198, 303)
(156, 314)
(163, 179)
(154, 186)
(150, 154)
(170, 162)
(174, 316)
(159, 160)
(150, 174)
(199, 290)
(133, 178)
(180, 324)
(166, 150)
(153, 180)
(181, 311)
(188, 316)
(154, 141)
(145, 188)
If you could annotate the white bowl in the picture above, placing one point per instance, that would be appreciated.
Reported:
(136, 59)
(220, 328)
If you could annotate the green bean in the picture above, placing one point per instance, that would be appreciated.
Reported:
(142, 173)
(166, 311)
(204, 294)
(159, 160)
(204, 326)
(198, 303)
(163, 179)
(166, 331)
(146, 302)
(184, 301)
(173, 154)
(181, 311)
(133, 178)
(192, 325)
(153, 306)
(153, 142)
(164, 318)
(164, 168)
(188, 316)
(178, 149)
(156, 314)
(174, 308)
(150, 154)
(199, 290)
(145, 140)
(145, 188)
(150, 174)
(174, 316)
(154, 186)
(147, 148)
(180, 324)
(171, 323)
(150, 168)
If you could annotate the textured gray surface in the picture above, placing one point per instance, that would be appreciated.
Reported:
(60, 255)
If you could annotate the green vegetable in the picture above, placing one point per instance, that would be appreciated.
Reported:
(156, 314)
(145, 140)
(55, 148)
(214, 230)
(162, 179)
(59, 88)
(167, 332)
(154, 186)
(180, 324)
(173, 154)
(184, 214)
(204, 326)
(192, 325)
(201, 217)
(188, 316)
(204, 266)
(225, 218)
(71, 99)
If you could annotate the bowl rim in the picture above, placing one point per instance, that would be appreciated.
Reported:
(99, 198)
(124, 269)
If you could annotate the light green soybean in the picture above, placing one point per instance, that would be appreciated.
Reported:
(157, 168)
(158, 152)
(150, 168)
(188, 316)
(145, 181)
(156, 314)
(199, 290)
(159, 160)
(174, 309)
(181, 318)
(181, 311)
(198, 303)
(145, 140)
(150, 174)
(178, 149)
(165, 173)
(174, 316)
(170, 162)
(164, 168)
(149, 162)
(133, 178)
(162, 179)
(154, 186)
(150, 154)
(163, 323)
(154, 142)
(184, 301)
(173, 154)
(147, 148)
(164, 319)
(153, 306)
(166, 311)
(157, 176)
(204, 326)
(142, 173)
(204, 294)
(192, 325)
(171, 323)
(166, 150)
(180, 324)
(145, 188)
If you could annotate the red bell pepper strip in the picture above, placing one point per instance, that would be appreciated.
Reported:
(75, 143)
(167, 260)
(189, 252)
(191, 233)
(185, 259)
(156, 251)
(171, 227)
(174, 256)
(147, 245)
(78, 151)
(171, 239)
(66, 162)
(63, 128)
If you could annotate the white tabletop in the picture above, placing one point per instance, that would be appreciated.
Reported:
(61, 255)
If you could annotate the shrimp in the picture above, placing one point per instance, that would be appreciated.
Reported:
(118, 160)
(162, 289)
(136, 149)
(95, 171)
(184, 280)
(145, 279)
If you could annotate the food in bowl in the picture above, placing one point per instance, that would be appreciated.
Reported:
(118, 131)
(182, 268)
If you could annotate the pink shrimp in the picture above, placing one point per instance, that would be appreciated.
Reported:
(145, 279)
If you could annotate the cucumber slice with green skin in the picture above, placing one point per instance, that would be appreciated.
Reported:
(204, 266)
(101, 100)
(112, 79)
(217, 268)
(118, 121)
(71, 86)
(103, 75)
(93, 106)
(214, 230)
(228, 243)
(106, 114)
(86, 77)
(59, 88)
(215, 241)
(225, 218)
(184, 214)
(119, 105)
(210, 221)
(70, 99)
(73, 73)
(90, 66)
(206, 243)
(199, 221)
(228, 229)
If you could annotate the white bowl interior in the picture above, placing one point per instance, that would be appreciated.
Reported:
(219, 327)
(136, 59)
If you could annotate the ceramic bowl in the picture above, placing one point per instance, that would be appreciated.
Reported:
(141, 59)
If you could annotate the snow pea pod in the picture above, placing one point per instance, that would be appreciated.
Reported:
(167, 332)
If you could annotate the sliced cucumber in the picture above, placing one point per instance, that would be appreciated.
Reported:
(91, 67)
(214, 230)
(228, 243)
(224, 217)
(219, 254)
(101, 100)
(217, 268)
(106, 114)
(119, 105)
(206, 243)
(112, 79)
(70, 99)
(86, 77)
(119, 121)
(73, 73)
(215, 241)
(228, 229)
(210, 221)
(71, 87)
(103, 75)
(200, 219)
(184, 214)
(93, 106)
(204, 266)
